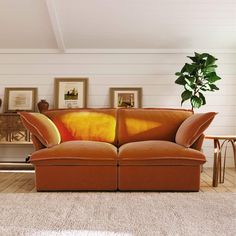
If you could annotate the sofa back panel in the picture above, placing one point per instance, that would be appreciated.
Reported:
(149, 124)
(85, 124)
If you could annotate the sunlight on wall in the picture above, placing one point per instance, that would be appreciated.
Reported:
(97, 126)
(136, 126)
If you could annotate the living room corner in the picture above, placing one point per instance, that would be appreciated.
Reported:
(117, 117)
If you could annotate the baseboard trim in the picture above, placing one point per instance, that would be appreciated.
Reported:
(16, 166)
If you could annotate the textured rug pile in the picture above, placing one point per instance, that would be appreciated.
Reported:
(116, 214)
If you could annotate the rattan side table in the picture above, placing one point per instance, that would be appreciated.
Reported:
(220, 142)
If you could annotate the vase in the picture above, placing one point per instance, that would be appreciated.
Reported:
(43, 106)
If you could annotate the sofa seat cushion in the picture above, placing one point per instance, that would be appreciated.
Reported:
(158, 153)
(77, 153)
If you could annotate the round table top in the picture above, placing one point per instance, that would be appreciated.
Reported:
(220, 137)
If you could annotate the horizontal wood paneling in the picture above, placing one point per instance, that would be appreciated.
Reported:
(153, 72)
(104, 79)
(112, 58)
(227, 91)
(101, 69)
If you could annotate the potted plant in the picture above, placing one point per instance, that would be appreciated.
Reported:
(197, 78)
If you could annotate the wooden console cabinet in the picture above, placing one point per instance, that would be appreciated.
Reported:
(12, 130)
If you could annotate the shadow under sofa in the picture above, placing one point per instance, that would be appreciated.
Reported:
(117, 149)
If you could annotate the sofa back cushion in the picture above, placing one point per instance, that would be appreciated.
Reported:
(149, 124)
(85, 124)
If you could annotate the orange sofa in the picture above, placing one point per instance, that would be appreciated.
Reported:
(117, 149)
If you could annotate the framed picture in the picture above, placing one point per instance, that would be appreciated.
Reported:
(71, 92)
(20, 99)
(126, 97)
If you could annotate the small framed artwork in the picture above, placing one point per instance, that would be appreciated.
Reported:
(20, 99)
(71, 92)
(126, 97)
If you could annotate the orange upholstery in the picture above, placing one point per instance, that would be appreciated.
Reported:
(76, 177)
(193, 127)
(85, 124)
(159, 178)
(41, 127)
(159, 165)
(77, 153)
(147, 157)
(76, 165)
(37, 144)
(158, 153)
(197, 145)
(149, 124)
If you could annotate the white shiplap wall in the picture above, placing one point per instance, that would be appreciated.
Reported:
(152, 71)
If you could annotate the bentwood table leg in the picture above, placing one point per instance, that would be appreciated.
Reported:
(216, 163)
(222, 179)
(225, 154)
(218, 168)
(234, 151)
(219, 162)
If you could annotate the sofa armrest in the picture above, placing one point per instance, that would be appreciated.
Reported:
(42, 127)
(193, 127)
(36, 142)
(197, 145)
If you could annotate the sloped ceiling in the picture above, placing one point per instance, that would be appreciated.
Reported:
(117, 24)
(25, 24)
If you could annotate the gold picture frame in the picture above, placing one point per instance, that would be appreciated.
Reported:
(20, 99)
(126, 97)
(70, 93)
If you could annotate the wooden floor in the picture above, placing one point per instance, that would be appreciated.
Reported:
(23, 181)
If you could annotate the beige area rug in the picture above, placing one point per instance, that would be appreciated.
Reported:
(116, 214)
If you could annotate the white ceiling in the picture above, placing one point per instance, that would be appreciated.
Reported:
(25, 24)
(117, 24)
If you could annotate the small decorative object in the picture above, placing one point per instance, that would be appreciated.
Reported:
(20, 99)
(43, 105)
(197, 78)
(71, 92)
(126, 97)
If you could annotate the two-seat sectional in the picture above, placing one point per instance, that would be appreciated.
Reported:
(117, 149)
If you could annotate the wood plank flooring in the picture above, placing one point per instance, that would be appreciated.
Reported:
(229, 184)
(23, 181)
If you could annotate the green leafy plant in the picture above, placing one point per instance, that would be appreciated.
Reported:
(197, 78)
